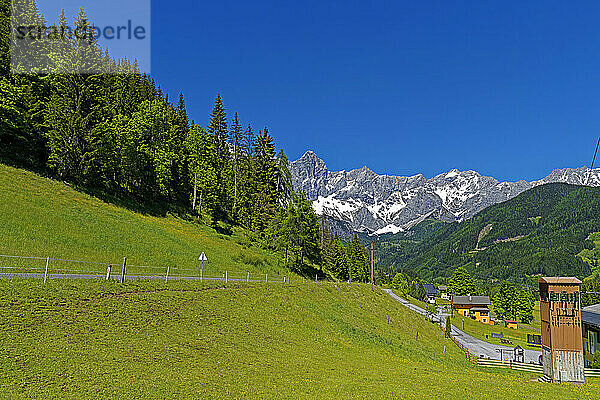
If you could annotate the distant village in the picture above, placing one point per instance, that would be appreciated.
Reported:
(478, 309)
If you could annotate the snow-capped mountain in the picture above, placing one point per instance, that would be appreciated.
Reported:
(368, 202)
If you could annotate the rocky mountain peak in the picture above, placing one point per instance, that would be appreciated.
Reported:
(363, 200)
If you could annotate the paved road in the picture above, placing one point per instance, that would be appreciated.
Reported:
(475, 346)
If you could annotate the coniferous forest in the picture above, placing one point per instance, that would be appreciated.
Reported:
(118, 136)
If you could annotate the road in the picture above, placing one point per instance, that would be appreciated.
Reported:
(475, 346)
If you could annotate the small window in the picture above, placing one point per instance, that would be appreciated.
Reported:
(483, 320)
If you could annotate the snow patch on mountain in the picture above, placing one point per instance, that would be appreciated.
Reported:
(393, 229)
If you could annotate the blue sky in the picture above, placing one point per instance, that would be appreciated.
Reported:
(510, 89)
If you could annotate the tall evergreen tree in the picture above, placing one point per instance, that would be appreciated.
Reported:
(236, 148)
(265, 180)
(218, 128)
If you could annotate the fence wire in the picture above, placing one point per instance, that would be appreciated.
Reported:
(52, 268)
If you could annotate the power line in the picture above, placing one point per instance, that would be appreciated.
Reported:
(593, 161)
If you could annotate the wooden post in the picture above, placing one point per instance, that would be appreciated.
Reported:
(266, 277)
(248, 277)
(195, 190)
(46, 273)
(123, 269)
(167, 276)
(316, 277)
(225, 276)
(372, 265)
(108, 272)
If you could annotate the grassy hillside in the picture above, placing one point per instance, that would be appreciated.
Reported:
(541, 231)
(191, 340)
(46, 218)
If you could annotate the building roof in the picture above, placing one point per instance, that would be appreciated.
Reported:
(429, 288)
(471, 300)
(590, 318)
(559, 280)
(480, 309)
(593, 308)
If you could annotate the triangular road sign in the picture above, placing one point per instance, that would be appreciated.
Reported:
(202, 257)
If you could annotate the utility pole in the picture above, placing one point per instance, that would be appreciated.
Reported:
(372, 265)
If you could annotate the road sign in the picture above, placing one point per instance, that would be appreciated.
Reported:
(202, 258)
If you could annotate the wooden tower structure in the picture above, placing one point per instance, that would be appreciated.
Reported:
(562, 340)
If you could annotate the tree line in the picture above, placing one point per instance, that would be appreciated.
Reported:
(117, 134)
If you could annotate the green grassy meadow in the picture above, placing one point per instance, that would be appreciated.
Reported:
(517, 336)
(45, 218)
(480, 330)
(145, 340)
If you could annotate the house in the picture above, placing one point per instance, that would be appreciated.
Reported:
(443, 290)
(512, 324)
(430, 292)
(476, 307)
(590, 318)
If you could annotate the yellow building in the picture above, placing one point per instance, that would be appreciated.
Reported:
(511, 324)
(475, 307)
(480, 314)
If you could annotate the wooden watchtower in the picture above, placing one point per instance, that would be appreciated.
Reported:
(562, 340)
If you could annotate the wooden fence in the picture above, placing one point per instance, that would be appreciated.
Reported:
(594, 373)
(513, 365)
(536, 369)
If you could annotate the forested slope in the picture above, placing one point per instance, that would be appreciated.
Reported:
(540, 231)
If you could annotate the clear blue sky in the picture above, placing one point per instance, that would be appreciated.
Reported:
(508, 88)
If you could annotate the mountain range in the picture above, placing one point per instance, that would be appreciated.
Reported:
(361, 200)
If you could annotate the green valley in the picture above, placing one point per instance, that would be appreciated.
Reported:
(543, 231)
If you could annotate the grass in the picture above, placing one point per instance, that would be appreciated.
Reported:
(484, 331)
(45, 218)
(418, 303)
(102, 340)
(442, 302)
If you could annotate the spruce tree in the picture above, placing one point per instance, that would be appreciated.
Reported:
(265, 178)
(236, 143)
(218, 129)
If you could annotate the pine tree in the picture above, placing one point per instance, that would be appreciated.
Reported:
(236, 143)
(358, 260)
(283, 177)
(218, 128)
(340, 260)
(264, 164)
